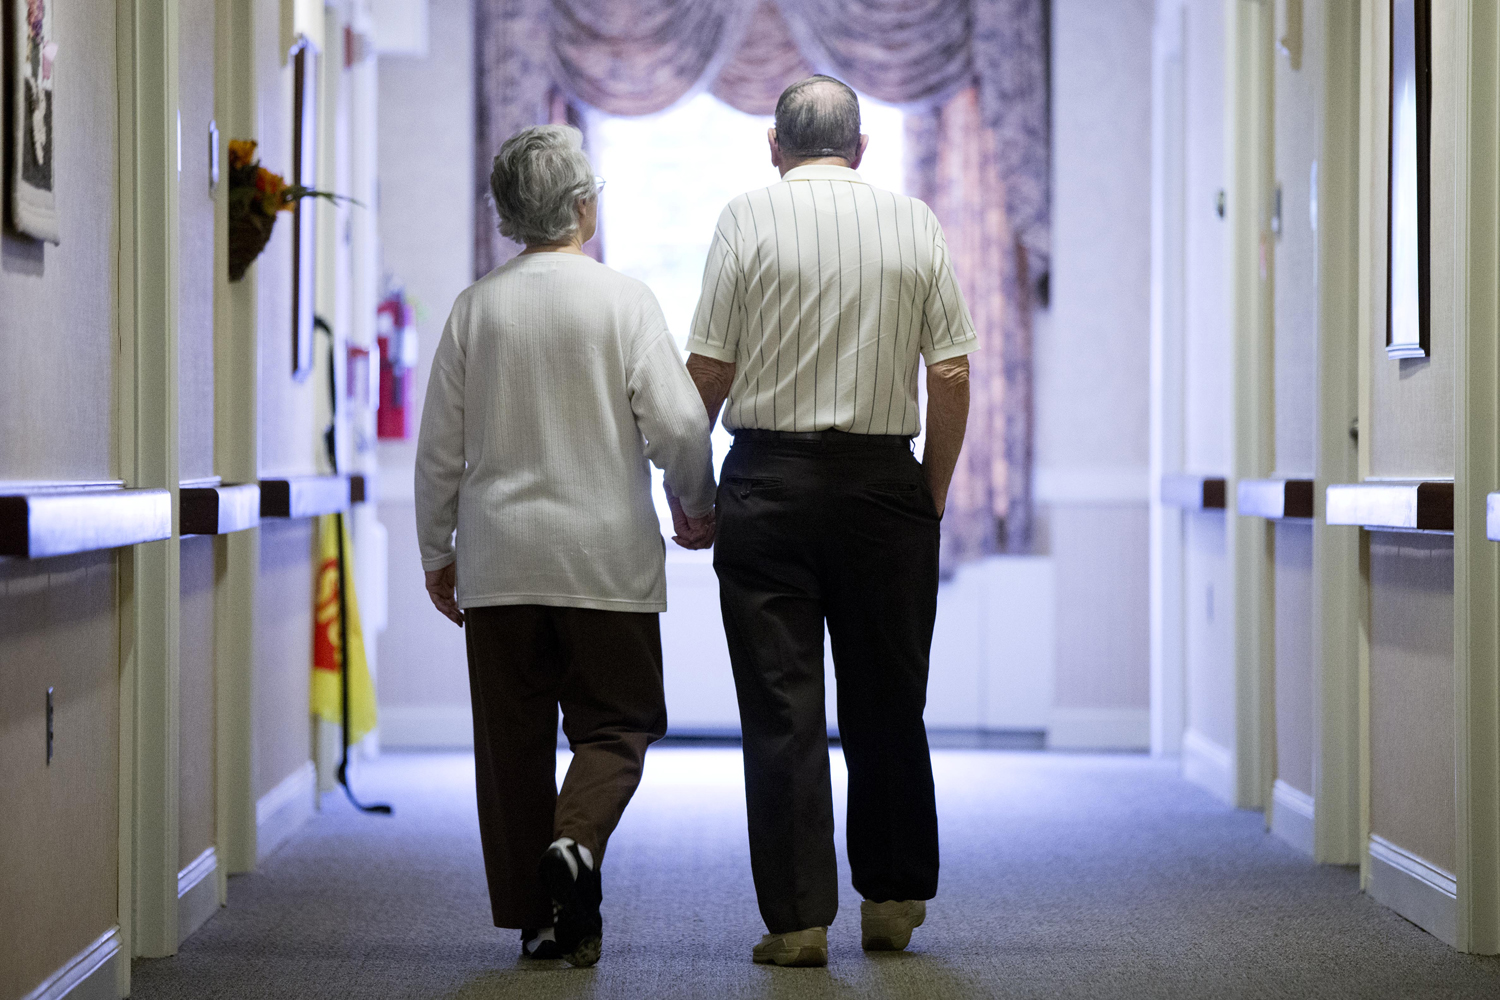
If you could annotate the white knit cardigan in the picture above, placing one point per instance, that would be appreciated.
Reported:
(555, 381)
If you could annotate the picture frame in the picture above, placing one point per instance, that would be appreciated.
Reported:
(32, 198)
(1408, 248)
(304, 62)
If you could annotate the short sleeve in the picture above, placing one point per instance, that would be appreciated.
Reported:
(720, 317)
(947, 327)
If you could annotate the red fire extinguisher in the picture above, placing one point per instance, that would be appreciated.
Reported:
(396, 334)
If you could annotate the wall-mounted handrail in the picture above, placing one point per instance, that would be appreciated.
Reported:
(1392, 506)
(1194, 492)
(55, 521)
(1276, 499)
(304, 496)
(218, 510)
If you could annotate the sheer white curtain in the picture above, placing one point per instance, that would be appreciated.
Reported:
(974, 71)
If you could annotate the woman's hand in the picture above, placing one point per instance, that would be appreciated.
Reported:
(692, 532)
(441, 584)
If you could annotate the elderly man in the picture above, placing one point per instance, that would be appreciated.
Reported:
(819, 295)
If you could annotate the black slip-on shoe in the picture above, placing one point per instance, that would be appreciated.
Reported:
(540, 945)
(576, 894)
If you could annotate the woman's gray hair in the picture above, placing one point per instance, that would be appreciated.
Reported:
(537, 181)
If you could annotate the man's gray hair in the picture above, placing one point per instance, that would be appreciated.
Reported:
(537, 180)
(818, 116)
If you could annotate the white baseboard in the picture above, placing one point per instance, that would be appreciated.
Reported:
(1292, 812)
(1415, 888)
(1208, 764)
(88, 975)
(426, 727)
(197, 894)
(327, 751)
(1099, 729)
(283, 809)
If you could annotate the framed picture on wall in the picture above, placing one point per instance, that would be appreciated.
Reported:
(304, 59)
(33, 200)
(1408, 273)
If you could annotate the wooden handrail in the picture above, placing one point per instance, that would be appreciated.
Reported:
(1276, 499)
(57, 522)
(1194, 492)
(304, 496)
(218, 510)
(1386, 506)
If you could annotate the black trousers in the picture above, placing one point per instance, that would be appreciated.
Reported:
(525, 660)
(840, 530)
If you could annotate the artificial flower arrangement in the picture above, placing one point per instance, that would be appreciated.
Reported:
(256, 195)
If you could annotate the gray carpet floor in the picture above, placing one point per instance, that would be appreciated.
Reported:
(1063, 876)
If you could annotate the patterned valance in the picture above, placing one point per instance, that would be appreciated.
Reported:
(972, 75)
(637, 57)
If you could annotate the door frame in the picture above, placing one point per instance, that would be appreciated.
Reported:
(150, 585)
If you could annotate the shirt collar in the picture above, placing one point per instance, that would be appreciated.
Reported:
(822, 172)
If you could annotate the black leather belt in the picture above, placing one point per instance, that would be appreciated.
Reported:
(823, 437)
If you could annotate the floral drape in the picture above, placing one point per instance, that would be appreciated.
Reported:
(973, 76)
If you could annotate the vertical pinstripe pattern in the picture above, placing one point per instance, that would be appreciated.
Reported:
(823, 291)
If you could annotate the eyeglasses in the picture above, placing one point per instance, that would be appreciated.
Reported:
(598, 184)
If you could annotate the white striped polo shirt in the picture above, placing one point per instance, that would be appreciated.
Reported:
(823, 290)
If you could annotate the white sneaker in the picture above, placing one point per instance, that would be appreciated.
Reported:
(888, 926)
(795, 948)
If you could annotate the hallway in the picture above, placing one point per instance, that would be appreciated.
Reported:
(1064, 876)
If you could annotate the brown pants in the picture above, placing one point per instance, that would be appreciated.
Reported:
(604, 669)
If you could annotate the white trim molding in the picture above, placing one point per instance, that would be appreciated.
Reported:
(1415, 888)
(1099, 729)
(427, 727)
(1206, 763)
(197, 893)
(283, 809)
(87, 975)
(1293, 813)
(1105, 485)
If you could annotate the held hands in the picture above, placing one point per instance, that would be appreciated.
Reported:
(692, 532)
(441, 585)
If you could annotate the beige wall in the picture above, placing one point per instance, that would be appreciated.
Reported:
(1208, 391)
(1099, 557)
(1411, 435)
(1298, 125)
(1412, 428)
(1208, 619)
(195, 334)
(195, 775)
(288, 441)
(59, 824)
(281, 733)
(1297, 129)
(426, 156)
(1093, 364)
(1412, 784)
(1296, 684)
(1093, 354)
(195, 360)
(56, 382)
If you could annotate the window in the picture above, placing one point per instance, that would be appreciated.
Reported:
(670, 175)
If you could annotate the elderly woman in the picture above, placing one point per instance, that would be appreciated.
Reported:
(554, 382)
